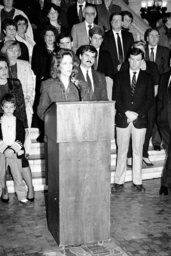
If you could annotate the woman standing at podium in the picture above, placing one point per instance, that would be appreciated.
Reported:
(62, 86)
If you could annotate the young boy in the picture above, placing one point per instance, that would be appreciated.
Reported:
(12, 136)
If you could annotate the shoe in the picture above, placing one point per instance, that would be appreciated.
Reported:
(139, 188)
(129, 162)
(147, 162)
(26, 203)
(157, 147)
(30, 199)
(4, 196)
(4, 200)
(117, 187)
(163, 190)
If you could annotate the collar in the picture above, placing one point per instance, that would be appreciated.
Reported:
(87, 24)
(83, 4)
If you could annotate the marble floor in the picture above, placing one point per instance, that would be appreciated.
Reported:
(140, 225)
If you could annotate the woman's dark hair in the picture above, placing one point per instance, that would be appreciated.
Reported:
(49, 28)
(56, 8)
(20, 17)
(8, 98)
(8, 22)
(56, 61)
(3, 59)
(129, 14)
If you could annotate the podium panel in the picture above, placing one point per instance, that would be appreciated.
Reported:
(79, 182)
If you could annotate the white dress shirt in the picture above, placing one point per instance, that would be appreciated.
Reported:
(84, 71)
(116, 41)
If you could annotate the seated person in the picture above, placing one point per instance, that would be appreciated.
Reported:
(12, 135)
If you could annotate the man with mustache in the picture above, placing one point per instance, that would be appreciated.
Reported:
(95, 80)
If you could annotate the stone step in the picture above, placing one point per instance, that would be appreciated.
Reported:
(37, 164)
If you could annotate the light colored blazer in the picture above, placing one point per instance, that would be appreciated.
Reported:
(79, 35)
(27, 79)
(19, 12)
(28, 42)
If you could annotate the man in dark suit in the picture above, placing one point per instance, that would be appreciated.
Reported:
(117, 42)
(159, 55)
(164, 122)
(134, 97)
(95, 80)
(103, 62)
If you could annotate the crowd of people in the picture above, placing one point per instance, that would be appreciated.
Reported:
(53, 50)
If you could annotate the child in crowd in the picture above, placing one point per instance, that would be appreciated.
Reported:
(12, 136)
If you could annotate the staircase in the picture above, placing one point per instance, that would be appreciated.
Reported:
(37, 164)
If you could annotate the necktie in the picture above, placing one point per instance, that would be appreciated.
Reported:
(80, 14)
(134, 81)
(88, 81)
(152, 54)
(120, 52)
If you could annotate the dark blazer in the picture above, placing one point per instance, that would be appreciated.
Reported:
(105, 63)
(140, 102)
(41, 60)
(110, 46)
(100, 90)
(163, 102)
(162, 58)
(151, 68)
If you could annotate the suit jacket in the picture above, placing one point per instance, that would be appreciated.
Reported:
(110, 46)
(140, 102)
(164, 102)
(105, 63)
(100, 90)
(52, 90)
(162, 58)
(79, 35)
(72, 16)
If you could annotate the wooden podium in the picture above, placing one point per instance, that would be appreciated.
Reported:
(79, 144)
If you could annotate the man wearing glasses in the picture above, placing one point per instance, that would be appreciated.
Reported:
(80, 31)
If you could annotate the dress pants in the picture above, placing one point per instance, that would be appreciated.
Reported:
(15, 166)
(2, 172)
(123, 137)
(166, 175)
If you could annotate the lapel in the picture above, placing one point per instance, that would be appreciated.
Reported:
(83, 33)
(113, 43)
(80, 75)
(158, 55)
(124, 41)
(147, 53)
(95, 79)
